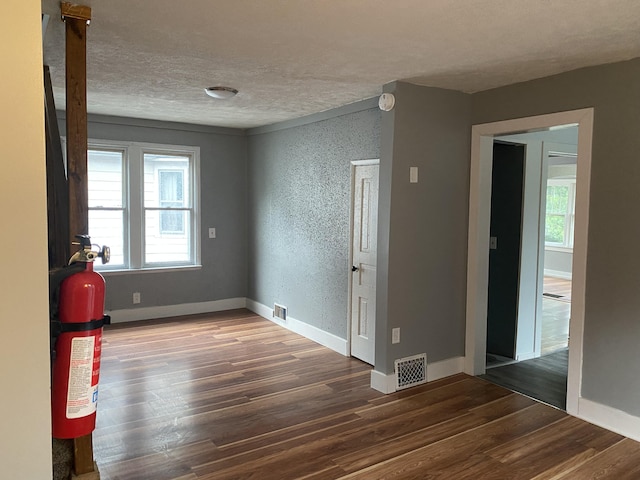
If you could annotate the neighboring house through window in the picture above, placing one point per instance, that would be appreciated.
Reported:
(143, 203)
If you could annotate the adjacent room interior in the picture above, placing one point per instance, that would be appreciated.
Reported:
(537, 284)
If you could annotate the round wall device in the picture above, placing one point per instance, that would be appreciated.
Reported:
(386, 102)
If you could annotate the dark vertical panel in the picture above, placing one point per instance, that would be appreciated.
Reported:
(504, 261)
(57, 189)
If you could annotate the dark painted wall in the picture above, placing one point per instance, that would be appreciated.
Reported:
(504, 260)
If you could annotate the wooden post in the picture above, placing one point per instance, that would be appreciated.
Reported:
(76, 18)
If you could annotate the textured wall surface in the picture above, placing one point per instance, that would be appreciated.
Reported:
(223, 170)
(425, 232)
(611, 363)
(299, 201)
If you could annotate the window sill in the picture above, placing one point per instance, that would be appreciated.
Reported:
(136, 271)
(554, 248)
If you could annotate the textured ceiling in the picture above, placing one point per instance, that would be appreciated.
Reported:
(289, 58)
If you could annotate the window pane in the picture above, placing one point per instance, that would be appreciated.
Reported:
(106, 228)
(161, 247)
(557, 199)
(554, 228)
(104, 170)
(171, 221)
(166, 181)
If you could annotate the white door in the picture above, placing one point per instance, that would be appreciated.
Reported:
(363, 271)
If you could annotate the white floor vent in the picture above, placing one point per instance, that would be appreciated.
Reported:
(280, 311)
(411, 371)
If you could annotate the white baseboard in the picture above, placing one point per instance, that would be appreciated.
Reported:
(382, 382)
(146, 313)
(609, 418)
(325, 339)
(435, 371)
(526, 356)
(557, 274)
(444, 368)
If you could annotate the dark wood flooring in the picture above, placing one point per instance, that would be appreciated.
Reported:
(233, 396)
(543, 378)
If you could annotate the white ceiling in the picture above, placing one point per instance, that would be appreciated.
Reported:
(290, 58)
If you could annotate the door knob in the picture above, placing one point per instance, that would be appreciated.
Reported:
(354, 268)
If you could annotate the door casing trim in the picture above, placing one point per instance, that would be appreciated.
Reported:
(478, 237)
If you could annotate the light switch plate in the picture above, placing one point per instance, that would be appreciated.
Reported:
(395, 335)
(212, 232)
(413, 174)
(493, 243)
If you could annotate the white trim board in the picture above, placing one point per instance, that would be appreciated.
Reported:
(147, 313)
(386, 383)
(609, 418)
(325, 339)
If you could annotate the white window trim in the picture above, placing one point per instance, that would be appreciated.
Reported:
(134, 207)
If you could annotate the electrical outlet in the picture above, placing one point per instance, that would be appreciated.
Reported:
(136, 297)
(395, 335)
(212, 232)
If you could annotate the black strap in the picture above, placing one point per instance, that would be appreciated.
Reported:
(85, 326)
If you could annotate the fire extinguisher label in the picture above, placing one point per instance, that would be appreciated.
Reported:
(81, 396)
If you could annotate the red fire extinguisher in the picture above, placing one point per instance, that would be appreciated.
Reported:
(77, 320)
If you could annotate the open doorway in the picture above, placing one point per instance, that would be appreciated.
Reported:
(528, 335)
(529, 287)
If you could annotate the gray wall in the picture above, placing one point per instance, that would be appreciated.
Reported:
(422, 229)
(611, 366)
(299, 201)
(223, 192)
(558, 263)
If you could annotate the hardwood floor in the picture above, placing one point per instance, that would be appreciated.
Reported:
(233, 396)
(555, 325)
(556, 312)
(560, 288)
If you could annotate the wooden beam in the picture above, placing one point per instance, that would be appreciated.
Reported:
(76, 18)
(78, 12)
(83, 455)
(76, 109)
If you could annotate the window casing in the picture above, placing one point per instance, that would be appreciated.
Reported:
(560, 213)
(143, 203)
